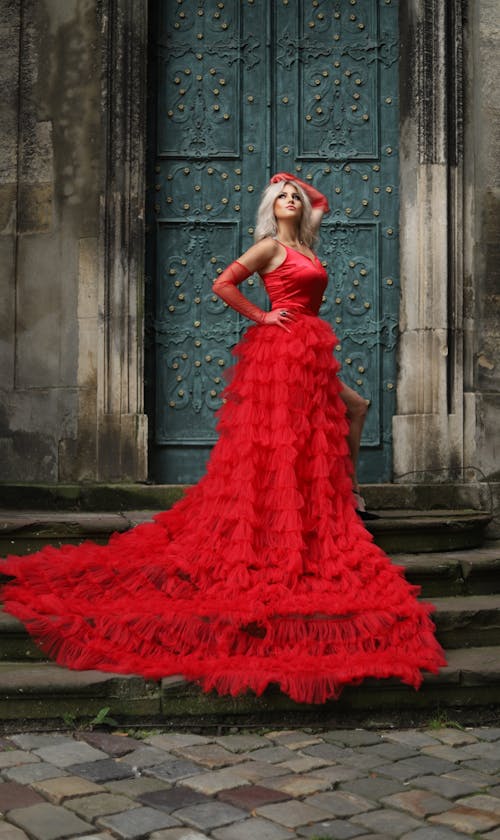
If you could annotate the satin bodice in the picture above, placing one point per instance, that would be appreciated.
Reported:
(298, 283)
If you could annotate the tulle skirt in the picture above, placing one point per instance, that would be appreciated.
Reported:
(262, 574)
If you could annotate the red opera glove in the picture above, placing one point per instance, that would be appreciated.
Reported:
(317, 199)
(225, 286)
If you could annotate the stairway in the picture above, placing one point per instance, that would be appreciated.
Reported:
(443, 551)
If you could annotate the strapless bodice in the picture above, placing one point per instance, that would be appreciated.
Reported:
(298, 283)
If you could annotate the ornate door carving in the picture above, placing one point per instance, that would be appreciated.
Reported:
(245, 87)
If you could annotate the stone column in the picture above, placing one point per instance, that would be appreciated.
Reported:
(427, 428)
(122, 423)
(482, 244)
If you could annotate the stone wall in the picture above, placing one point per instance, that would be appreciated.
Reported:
(70, 405)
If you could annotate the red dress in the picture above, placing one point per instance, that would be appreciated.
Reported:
(263, 573)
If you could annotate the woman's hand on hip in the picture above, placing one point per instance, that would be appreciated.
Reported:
(279, 318)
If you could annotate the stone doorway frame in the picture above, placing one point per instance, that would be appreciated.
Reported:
(428, 427)
(122, 443)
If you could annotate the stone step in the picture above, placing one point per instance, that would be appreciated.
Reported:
(16, 644)
(419, 531)
(444, 573)
(418, 492)
(467, 620)
(447, 573)
(396, 531)
(461, 621)
(45, 692)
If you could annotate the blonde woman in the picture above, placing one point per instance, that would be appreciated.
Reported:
(290, 214)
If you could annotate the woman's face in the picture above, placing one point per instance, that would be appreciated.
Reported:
(288, 204)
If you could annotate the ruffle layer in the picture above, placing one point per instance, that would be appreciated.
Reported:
(262, 574)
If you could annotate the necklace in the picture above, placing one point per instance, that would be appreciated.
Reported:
(291, 244)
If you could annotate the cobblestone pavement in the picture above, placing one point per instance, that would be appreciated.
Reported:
(416, 784)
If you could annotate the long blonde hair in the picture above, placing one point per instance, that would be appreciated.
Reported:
(266, 220)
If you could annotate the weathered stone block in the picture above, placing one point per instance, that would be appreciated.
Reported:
(35, 208)
(48, 822)
(8, 207)
(13, 795)
(137, 822)
(65, 787)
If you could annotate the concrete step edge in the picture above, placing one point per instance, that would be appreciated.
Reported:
(44, 692)
(461, 622)
(448, 572)
(475, 664)
(420, 490)
(31, 677)
(467, 604)
(479, 557)
(102, 522)
(448, 605)
(396, 532)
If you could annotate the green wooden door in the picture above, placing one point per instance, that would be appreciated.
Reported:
(245, 88)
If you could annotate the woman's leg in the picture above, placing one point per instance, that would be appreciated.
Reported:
(357, 408)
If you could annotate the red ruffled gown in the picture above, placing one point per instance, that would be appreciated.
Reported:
(263, 573)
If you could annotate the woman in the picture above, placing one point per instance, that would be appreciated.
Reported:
(263, 574)
(290, 214)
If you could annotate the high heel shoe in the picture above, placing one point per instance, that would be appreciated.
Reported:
(361, 510)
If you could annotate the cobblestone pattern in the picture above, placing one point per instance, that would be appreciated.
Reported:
(426, 784)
